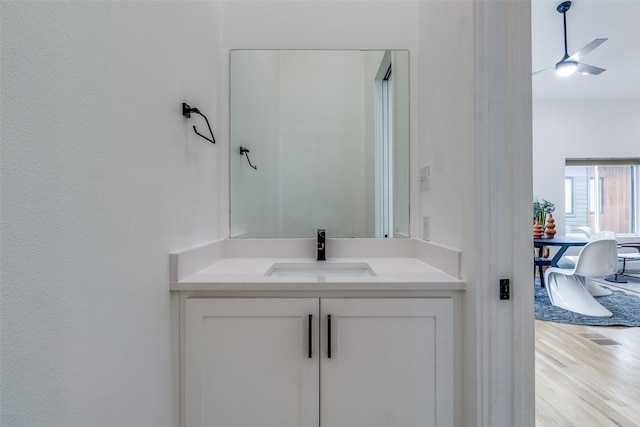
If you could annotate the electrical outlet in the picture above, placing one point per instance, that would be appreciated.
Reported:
(425, 228)
(425, 178)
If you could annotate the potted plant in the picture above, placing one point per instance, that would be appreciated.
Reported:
(541, 210)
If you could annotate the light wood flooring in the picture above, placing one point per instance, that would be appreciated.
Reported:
(587, 376)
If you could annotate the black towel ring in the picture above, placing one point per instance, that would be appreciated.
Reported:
(187, 110)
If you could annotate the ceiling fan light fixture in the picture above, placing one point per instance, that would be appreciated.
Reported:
(569, 64)
(566, 68)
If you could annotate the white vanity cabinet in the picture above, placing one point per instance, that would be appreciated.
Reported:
(339, 362)
(247, 364)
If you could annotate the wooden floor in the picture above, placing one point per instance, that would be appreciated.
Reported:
(587, 376)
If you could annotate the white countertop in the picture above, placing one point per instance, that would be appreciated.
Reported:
(249, 274)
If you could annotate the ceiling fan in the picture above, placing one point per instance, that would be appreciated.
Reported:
(570, 64)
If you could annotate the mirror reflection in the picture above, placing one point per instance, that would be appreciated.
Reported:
(319, 139)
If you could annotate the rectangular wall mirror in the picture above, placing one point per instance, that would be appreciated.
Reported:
(319, 139)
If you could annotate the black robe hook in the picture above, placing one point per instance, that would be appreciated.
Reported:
(187, 110)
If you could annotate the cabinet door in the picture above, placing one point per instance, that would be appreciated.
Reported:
(246, 362)
(391, 363)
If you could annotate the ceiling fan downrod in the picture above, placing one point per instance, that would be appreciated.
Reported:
(562, 8)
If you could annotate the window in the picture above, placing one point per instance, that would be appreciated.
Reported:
(568, 195)
(596, 199)
(602, 194)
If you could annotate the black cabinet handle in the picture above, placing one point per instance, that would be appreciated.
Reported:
(329, 336)
(310, 349)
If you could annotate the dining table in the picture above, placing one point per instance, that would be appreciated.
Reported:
(562, 242)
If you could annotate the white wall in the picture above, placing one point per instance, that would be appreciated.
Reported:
(101, 179)
(446, 128)
(401, 95)
(445, 61)
(322, 143)
(580, 128)
(255, 193)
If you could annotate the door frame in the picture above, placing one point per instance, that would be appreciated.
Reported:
(503, 188)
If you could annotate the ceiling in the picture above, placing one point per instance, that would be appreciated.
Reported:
(619, 21)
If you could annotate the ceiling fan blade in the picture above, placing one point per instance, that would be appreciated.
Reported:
(589, 69)
(544, 69)
(585, 50)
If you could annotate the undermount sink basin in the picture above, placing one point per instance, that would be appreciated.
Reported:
(320, 269)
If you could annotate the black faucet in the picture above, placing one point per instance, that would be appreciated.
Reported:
(320, 240)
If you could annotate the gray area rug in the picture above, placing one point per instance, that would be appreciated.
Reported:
(625, 308)
(633, 282)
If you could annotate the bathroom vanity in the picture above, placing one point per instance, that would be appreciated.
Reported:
(361, 339)
(267, 331)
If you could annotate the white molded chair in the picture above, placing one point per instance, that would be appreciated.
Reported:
(569, 261)
(573, 290)
(588, 231)
(599, 235)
